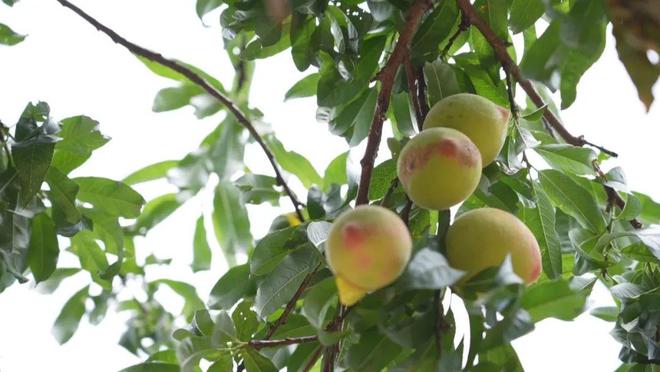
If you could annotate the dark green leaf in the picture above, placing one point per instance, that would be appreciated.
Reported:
(381, 179)
(233, 286)
(206, 6)
(373, 352)
(318, 300)
(153, 367)
(541, 221)
(568, 158)
(306, 87)
(524, 13)
(429, 270)
(270, 251)
(276, 288)
(62, 194)
(255, 362)
(441, 81)
(44, 249)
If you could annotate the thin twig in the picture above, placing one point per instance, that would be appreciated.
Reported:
(421, 92)
(510, 92)
(412, 91)
(499, 47)
(198, 80)
(386, 78)
(462, 27)
(313, 359)
(260, 344)
(291, 305)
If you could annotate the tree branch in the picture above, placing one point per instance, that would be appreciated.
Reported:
(198, 80)
(260, 344)
(499, 47)
(386, 78)
(291, 305)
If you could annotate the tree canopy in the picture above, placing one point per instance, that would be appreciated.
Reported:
(370, 63)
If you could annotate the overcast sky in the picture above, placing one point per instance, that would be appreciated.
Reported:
(79, 71)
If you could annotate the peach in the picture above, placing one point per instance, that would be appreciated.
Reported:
(483, 237)
(367, 249)
(439, 168)
(475, 116)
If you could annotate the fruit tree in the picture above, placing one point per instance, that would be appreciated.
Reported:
(460, 190)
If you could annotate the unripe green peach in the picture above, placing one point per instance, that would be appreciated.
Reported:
(367, 249)
(476, 117)
(482, 238)
(439, 168)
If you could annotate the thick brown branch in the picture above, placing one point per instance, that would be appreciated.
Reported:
(386, 78)
(499, 47)
(198, 80)
(260, 344)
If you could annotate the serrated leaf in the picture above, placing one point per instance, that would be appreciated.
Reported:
(276, 288)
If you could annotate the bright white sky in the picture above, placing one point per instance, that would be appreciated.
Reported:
(79, 71)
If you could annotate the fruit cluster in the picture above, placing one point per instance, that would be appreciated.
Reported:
(370, 246)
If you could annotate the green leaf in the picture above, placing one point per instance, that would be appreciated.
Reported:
(255, 362)
(201, 250)
(306, 87)
(429, 270)
(568, 158)
(572, 199)
(80, 136)
(373, 352)
(403, 114)
(150, 172)
(317, 232)
(62, 195)
(381, 179)
(270, 251)
(318, 300)
(294, 163)
(257, 189)
(276, 288)
(336, 172)
(606, 313)
(68, 320)
(650, 213)
(49, 285)
(206, 6)
(234, 285)
(44, 249)
(8, 36)
(91, 256)
(168, 73)
(192, 302)
(435, 30)
(230, 220)
(524, 14)
(173, 98)
(245, 320)
(541, 221)
(354, 120)
(441, 81)
(155, 211)
(153, 367)
(554, 299)
(113, 197)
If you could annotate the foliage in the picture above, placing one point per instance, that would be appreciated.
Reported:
(279, 308)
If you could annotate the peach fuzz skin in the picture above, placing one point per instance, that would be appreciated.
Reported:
(483, 121)
(367, 249)
(439, 168)
(483, 237)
